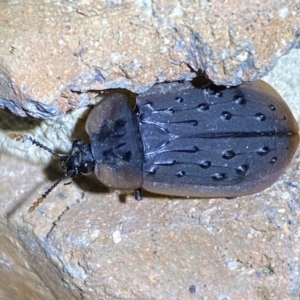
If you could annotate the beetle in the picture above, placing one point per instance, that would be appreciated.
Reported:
(185, 140)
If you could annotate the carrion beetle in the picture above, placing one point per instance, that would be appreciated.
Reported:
(184, 140)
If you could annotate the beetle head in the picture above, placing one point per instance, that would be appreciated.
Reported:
(79, 161)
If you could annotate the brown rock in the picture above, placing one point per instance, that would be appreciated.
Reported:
(25, 271)
(54, 56)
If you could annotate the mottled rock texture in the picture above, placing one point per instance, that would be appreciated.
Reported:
(54, 55)
(25, 271)
(85, 242)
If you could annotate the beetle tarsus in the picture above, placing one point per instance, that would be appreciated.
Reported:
(138, 194)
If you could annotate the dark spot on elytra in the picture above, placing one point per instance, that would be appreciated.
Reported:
(108, 153)
(126, 156)
(239, 100)
(205, 164)
(242, 170)
(226, 115)
(180, 173)
(179, 99)
(272, 107)
(263, 151)
(218, 176)
(120, 123)
(228, 154)
(273, 160)
(260, 117)
(203, 106)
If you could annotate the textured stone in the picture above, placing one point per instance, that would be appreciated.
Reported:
(54, 55)
(104, 245)
(24, 270)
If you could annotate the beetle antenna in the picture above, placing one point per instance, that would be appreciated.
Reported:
(43, 197)
(23, 138)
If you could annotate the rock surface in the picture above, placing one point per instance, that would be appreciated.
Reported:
(25, 271)
(85, 242)
(53, 56)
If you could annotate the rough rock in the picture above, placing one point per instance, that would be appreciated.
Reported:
(25, 271)
(54, 56)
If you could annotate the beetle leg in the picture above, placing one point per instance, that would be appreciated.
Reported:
(138, 195)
